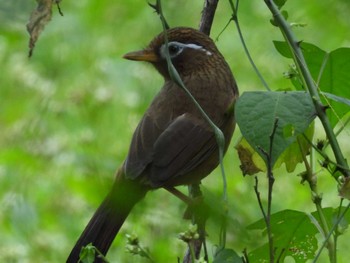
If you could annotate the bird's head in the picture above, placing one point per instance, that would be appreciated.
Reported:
(189, 51)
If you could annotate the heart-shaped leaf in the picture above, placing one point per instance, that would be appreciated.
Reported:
(257, 114)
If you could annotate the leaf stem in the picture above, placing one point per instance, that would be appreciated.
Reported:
(235, 20)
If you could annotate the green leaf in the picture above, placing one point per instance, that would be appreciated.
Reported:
(293, 235)
(330, 70)
(280, 3)
(336, 80)
(227, 256)
(256, 113)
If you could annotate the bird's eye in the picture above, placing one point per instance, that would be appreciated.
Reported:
(174, 49)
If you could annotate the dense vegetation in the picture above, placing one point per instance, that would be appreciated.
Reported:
(68, 113)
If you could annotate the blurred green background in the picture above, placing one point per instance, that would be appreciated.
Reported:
(68, 113)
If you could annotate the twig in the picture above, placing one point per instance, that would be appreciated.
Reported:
(245, 258)
(271, 180)
(326, 158)
(208, 14)
(57, 2)
(158, 9)
(257, 193)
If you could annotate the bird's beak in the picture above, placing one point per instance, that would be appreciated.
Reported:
(142, 55)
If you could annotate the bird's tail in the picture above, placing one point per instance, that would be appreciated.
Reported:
(109, 217)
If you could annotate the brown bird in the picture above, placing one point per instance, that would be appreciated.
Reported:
(173, 144)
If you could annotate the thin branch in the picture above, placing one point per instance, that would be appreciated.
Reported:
(245, 258)
(57, 2)
(326, 158)
(208, 14)
(257, 193)
(158, 9)
(271, 180)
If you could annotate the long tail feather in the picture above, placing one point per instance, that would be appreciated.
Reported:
(109, 218)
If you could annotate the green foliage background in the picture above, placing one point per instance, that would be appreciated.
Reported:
(68, 113)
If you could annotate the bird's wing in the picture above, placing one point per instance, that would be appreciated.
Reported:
(183, 146)
(171, 152)
(141, 152)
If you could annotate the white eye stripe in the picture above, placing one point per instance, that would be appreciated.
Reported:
(194, 46)
(179, 47)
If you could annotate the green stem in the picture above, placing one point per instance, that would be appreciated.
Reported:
(335, 225)
(317, 200)
(309, 84)
(329, 241)
(235, 20)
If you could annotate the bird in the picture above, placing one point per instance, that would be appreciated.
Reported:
(173, 144)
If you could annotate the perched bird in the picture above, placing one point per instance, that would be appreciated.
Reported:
(173, 144)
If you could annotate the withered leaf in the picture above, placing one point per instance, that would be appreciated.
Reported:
(38, 20)
(251, 163)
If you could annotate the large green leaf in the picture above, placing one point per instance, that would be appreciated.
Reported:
(330, 70)
(256, 113)
(293, 235)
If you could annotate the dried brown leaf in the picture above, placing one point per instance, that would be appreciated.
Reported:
(251, 162)
(38, 20)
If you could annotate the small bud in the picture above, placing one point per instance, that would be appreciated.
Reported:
(190, 234)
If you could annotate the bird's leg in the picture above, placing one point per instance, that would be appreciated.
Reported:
(184, 198)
